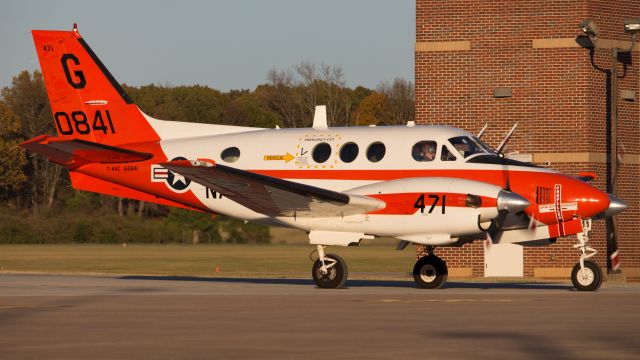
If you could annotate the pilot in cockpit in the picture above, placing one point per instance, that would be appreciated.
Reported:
(424, 151)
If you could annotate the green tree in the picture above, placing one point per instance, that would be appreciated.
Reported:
(200, 104)
(295, 94)
(283, 96)
(249, 110)
(237, 231)
(195, 103)
(12, 159)
(400, 96)
(373, 110)
(27, 99)
(324, 85)
(195, 223)
(157, 101)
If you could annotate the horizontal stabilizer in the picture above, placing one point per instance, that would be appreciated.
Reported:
(272, 196)
(74, 153)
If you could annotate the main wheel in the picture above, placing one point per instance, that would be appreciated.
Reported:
(430, 272)
(336, 275)
(587, 279)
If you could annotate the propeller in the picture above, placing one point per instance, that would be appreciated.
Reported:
(479, 136)
(615, 206)
(508, 201)
(506, 139)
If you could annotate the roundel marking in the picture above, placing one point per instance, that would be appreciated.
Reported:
(176, 181)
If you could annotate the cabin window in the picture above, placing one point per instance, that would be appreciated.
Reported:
(376, 151)
(446, 155)
(424, 151)
(321, 152)
(349, 152)
(230, 155)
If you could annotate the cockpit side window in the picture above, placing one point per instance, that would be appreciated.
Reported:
(466, 146)
(446, 155)
(424, 150)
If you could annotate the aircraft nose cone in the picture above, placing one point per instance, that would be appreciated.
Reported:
(616, 206)
(511, 201)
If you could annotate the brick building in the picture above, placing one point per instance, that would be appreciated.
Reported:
(468, 52)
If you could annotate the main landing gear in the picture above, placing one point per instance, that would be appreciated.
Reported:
(430, 272)
(586, 275)
(329, 270)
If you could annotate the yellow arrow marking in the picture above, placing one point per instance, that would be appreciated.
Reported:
(287, 157)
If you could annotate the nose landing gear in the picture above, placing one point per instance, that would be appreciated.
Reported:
(586, 275)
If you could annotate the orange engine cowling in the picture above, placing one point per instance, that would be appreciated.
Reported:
(560, 198)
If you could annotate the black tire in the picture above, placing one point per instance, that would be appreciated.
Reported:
(430, 272)
(335, 278)
(588, 279)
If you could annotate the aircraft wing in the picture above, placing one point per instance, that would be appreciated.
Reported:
(272, 196)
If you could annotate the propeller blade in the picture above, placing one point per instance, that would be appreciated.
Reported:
(506, 138)
(533, 224)
(486, 125)
(488, 242)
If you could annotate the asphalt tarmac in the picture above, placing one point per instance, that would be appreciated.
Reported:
(145, 317)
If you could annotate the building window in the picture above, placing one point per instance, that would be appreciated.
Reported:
(424, 151)
(230, 155)
(349, 152)
(321, 152)
(376, 151)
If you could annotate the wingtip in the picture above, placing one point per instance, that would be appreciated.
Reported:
(35, 140)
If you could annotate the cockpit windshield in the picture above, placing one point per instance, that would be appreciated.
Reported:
(484, 145)
(468, 146)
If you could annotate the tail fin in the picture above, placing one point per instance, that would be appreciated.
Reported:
(86, 101)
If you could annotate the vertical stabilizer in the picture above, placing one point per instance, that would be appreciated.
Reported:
(86, 100)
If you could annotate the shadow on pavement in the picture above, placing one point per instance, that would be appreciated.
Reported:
(355, 283)
(506, 285)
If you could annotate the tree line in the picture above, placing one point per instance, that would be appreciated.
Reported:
(39, 205)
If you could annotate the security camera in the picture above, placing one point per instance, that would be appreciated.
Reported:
(589, 27)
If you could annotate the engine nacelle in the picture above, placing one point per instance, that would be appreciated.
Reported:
(436, 205)
(429, 211)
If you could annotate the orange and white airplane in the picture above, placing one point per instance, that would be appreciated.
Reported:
(428, 185)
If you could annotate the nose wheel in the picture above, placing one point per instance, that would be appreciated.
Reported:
(430, 272)
(586, 275)
(329, 271)
(587, 278)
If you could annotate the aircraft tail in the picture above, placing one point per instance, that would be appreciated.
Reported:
(86, 100)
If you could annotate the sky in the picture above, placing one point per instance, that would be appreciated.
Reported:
(225, 44)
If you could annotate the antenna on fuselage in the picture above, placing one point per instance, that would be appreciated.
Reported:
(506, 139)
(486, 125)
(320, 117)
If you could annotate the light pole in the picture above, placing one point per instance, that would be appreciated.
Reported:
(590, 29)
